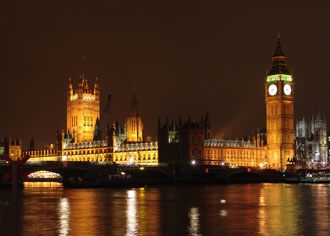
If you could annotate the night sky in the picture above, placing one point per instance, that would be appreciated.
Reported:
(188, 57)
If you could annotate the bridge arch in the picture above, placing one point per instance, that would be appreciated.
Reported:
(44, 176)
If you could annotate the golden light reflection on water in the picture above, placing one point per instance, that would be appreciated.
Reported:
(88, 212)
(64, 213)
(321, 202)
(131, 213)
(42, 185)
(278, 210)
(261, 209)
(194, 225)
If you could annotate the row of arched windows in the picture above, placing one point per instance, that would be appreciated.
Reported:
(85, 152)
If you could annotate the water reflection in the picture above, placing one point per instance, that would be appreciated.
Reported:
(223, 213)
(42, 184)
(278, 210)
(64, 216)
(261, 209)
(262, 213)
(322, 209)
(131, 213)
(194, 226)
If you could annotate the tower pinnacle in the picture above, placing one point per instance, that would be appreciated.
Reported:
(279, 65)
(83, 62)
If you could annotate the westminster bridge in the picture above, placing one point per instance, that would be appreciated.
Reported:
(107, 173)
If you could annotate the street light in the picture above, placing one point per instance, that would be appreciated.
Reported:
(64, 158)
(193, 162)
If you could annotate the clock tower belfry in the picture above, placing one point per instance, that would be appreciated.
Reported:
(279, 97)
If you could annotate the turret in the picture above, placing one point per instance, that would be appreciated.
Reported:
(70, 90)
(97, 130)
(97, 92)
(258, 138)
(114, 135)
(81, 87)
(134, 121)
(62, 136)
(86, 90)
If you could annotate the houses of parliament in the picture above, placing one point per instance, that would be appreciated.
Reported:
(181, 142)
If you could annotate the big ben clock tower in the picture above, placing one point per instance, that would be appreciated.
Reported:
(279, 97)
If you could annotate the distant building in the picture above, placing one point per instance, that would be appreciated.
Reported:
(312, 142)
(12, 148)
(82, 141)
(279, 98)
(129, 144)
(83, 109)
(190, 142)
(182, 142)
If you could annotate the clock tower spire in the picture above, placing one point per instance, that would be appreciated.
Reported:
(279, 97)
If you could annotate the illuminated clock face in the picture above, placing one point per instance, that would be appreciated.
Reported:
(287, 89)
(272, 89)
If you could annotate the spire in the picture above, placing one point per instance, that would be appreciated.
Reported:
(279, 65)
(278, 51)
(70, 84)
(83, 62)
(134, 110)
(97, 130)
(318, 114)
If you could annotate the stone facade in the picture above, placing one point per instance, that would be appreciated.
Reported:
(279, 98)
(190, 142)
(83, 110)
(12, 148)
(311, 142)
(83, 141)
(180, 142)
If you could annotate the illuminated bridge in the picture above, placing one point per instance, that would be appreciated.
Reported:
(103, 173)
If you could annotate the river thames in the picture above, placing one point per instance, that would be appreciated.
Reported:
(237, 209)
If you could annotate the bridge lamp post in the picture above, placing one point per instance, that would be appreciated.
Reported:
(193, 162)
(131, 160)
(64, 158)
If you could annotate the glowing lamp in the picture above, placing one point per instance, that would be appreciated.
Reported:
(64, 158)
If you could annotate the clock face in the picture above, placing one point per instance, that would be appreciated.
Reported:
(272, 89)
(287, 89)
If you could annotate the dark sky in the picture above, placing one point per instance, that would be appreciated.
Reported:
(188, 57)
